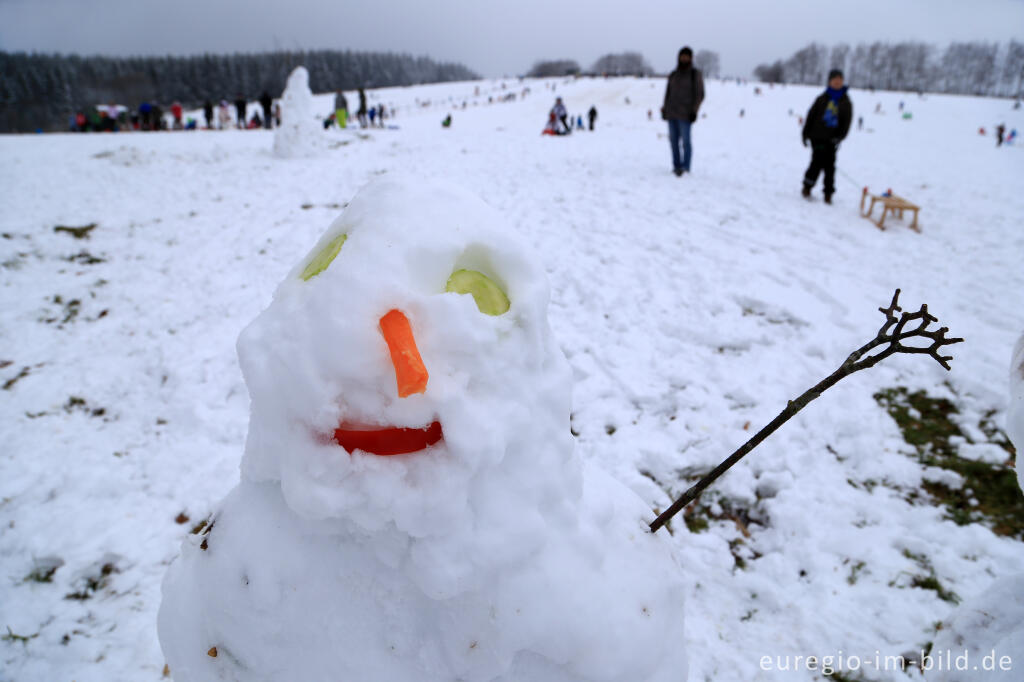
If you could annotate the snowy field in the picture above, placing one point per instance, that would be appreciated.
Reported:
(690, 309)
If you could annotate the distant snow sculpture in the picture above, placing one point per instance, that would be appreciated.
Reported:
(299, 134)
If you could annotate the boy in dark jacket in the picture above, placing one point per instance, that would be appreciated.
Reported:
(684, 93)
(827, 123)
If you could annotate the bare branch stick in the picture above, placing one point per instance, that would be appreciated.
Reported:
(890, 340)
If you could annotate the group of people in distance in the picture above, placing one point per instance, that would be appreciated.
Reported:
(271, 113)
(374, 116)
(151, 116)
(560, 123)
(826, 125)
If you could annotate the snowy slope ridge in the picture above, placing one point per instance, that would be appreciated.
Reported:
(689, 309)
(485, 556)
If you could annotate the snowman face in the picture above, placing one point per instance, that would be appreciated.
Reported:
(368, 348)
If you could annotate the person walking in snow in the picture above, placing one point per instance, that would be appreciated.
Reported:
(592, 116)
(176, 113)
(208, 113)
(684, 94)
(340, 109)
(827, 123)
(240, 110)
(146, 116)
(1000, 131)
(265, 101)
(361, 113)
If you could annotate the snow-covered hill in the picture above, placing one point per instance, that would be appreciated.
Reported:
(691, 309)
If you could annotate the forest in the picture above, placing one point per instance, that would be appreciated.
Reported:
(40, 91)
(970, 68)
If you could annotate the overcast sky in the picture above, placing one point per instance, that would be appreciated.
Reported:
(498, 37)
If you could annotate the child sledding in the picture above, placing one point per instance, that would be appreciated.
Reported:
(558, 120)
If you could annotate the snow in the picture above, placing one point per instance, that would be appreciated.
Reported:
(1015, 416)
(689, 309)
(299, 134)
(985, 636)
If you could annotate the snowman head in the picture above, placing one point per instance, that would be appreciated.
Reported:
(405, 371)
(297, 84)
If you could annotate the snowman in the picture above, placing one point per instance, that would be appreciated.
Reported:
(299, 134)
(411, 507)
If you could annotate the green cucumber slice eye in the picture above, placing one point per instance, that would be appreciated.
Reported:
(323, 259)
(489, 297)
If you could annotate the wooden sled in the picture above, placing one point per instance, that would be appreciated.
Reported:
(890, 204)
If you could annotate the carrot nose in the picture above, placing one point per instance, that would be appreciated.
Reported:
(410, 372)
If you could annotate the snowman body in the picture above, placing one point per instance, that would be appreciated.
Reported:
(490, 553)
(299, 135)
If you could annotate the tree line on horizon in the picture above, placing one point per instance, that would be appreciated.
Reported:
(40, 91)
(968, 68)
(619, 64)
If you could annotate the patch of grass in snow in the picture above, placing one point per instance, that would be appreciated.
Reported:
(9, 384)
(695, 522)
(76, 403)
(855, 572)
(713, 507)
(12, 636)
(70, 311)
(94, 583)
(43, 570)
(76, 232)
(928, 581)
(989, 493)
(83, 257)
(15, 262)
(698, 517)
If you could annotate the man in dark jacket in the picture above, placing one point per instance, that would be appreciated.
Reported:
(240, 105)
(683, 96)
(265, 101)
(361, 112)
(208, 113)
(827, 123)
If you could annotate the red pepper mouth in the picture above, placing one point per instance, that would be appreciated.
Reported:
(389, 440)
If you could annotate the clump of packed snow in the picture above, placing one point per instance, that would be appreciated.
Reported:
(299, 134)
(984, 638)
(494, 554)
(1015, 413)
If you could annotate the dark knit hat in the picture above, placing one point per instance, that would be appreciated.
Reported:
(833, 73)
(686, 51)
